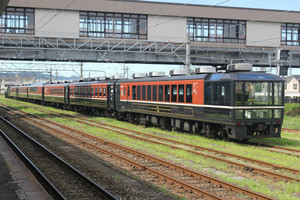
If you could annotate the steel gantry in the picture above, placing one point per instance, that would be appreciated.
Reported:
(29, 47)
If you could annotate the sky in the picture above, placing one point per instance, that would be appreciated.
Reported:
(264, 4)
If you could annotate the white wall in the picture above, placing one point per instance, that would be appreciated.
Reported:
(161, 28)
(56, 23)
(266, 34)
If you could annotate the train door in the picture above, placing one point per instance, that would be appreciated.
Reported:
(110, 97)
(67, 95)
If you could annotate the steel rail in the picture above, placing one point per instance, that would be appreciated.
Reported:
(87, 179)
(290, 130)
(242, 166)
(194, 173)
(255, 144)
(53, 190)
(272, 146)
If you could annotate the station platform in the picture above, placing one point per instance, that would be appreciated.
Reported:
(16, 181)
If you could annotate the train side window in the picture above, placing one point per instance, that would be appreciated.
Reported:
(134, 92)
(154, 93)
(138, 92)
(160, 93)
(149, 92)
(167, 93)
(93, 92)
(104, 91)
(189, 93)
(181, 93)
(100, 91)
(125, 91)
(144, 92)
(174, 93)
(96, 92)
(128, 91)
(122, 92)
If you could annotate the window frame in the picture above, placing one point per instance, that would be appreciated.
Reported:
(216, 30)
(113, 25)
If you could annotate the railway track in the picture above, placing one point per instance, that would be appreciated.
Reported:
(60, 178)
(290, 130)
(289, 151)
(271, 148)
(191, 148)
(191, 182)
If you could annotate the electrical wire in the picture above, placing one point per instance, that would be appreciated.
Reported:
(55, 15)
(53, 9)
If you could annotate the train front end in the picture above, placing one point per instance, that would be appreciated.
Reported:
(257, 105)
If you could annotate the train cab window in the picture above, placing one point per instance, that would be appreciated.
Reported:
(278, 93)
(104, 91)
(144, 92)
(174, 93)
(149, 92)
(138, 92)
(154, 93)
(181, 93)
(160, 93)
(134, 92)
(189, 93)
(167, 93)
(225, 93)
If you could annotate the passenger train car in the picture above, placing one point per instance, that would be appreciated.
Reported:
(238, 104)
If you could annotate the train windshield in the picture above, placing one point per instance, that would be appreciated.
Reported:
(258, 93)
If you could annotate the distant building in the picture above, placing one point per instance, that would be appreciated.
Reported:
(7, 81)
(292, 88)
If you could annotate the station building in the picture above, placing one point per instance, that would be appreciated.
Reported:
(216, 34)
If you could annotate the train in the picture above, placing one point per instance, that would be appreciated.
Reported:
(237, 103)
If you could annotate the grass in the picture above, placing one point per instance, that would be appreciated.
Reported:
(292, 109)
(291, 122)
(280, 190)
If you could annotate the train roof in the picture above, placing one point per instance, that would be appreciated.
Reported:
(164, 78)
(92, 82)
(244, 76)
(232, 76)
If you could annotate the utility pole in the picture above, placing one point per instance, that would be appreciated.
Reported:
(81, 70)
(51, 78)
(125, 71)
(188, 55)
(278, 61)
(56, 74)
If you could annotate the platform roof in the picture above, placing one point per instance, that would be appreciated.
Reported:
(165, 9)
